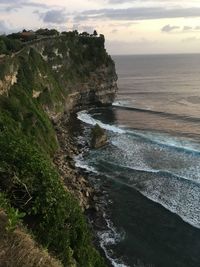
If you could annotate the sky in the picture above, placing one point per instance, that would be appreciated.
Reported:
(129, 26)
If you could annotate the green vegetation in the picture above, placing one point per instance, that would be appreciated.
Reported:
(97, 131)
(47, 32)
(14, 216)
(8, 46)
(46, 74)
(34, 188)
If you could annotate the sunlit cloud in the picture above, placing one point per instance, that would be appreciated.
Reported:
(168, 28)
(139, 13)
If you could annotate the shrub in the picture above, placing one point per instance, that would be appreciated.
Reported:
(53, 214)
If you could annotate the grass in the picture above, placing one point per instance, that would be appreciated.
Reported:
(18, 249)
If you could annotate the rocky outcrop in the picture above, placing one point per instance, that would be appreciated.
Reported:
(98, 137)
(75, 182)
(9, 79)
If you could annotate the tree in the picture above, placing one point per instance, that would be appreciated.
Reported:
(85, 34)
(75, 32)
(102, 37)
(95, 33)
(3, 48)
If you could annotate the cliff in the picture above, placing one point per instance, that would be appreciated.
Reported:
(40, 82)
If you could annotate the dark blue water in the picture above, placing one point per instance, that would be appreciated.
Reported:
(151, 168)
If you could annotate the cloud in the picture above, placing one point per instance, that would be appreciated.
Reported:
(187, 28)
(3, 27)
(88, 29)
(123, 24)
(184, 29)
(133, 1)
(53, 16)
(151, 1)
(83, 28)
(191, 39)
(114, 31)
(138, 13)
(169, 28)
(13, 5)
(120, 2)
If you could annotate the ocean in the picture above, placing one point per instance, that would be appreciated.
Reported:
(150, 170)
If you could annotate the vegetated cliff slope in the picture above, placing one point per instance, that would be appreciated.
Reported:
(18, 249)
(38, 84)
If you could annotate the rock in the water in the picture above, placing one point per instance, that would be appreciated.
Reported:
(98, 137)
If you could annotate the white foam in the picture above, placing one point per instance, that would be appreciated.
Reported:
(172, 205)
(87, 118)
(164, 139)
(189, 212)
(80, 163)
(111, 237)
(169, 195)
(121, 103)
(160, 139)
(179, 176)
(192, 221)
(150, 170)
(174, 199)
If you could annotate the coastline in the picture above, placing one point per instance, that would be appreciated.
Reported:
(76, 180)
(146, 213)
(54, 78)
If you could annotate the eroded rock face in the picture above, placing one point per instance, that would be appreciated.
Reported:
(98, 137)
(74, 181)
(69, 73)
(99, 86)
(100, 90)
(9, 80)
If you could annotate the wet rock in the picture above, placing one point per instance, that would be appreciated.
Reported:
(98, 137)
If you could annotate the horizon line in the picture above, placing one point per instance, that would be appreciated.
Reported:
(156, 54)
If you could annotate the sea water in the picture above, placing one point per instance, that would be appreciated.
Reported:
(151, 166)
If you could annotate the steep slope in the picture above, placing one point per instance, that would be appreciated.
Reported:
(47, 78)
(18, 249)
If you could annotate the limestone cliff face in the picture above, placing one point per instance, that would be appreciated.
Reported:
(99, 90)
(8, 79)
(82, 68)
(68, 72)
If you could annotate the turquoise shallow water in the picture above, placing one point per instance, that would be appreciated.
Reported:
(150, 171)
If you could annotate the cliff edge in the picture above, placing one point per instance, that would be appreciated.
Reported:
(41, 81)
